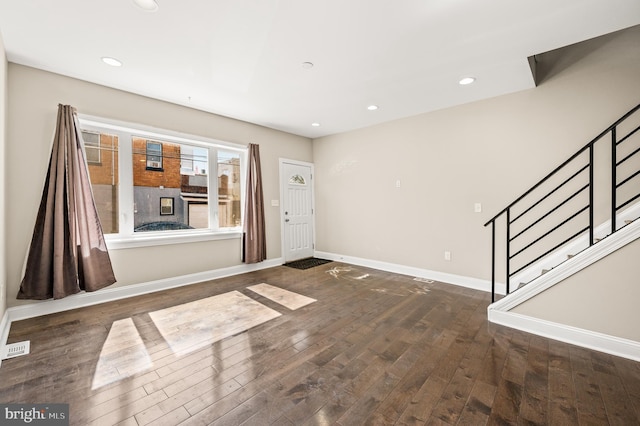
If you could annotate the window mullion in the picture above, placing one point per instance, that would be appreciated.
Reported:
(214, 223)
(127, 206)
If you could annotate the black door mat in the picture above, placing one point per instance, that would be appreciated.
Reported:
(307, 263)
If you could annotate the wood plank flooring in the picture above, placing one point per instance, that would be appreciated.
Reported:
(374, 348)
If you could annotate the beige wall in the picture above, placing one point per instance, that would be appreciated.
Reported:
(33, 99)
(488, 152)
(3, 165)
(595, 289)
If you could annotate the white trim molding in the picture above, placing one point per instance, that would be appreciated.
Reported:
(576, 336)
(500, 311)
(81, 300)
(444, 277)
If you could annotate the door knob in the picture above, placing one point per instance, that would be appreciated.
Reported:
(286, 220)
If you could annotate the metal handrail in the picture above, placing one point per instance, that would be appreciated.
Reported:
(571, 197)
(546, 234)
(615, 185)
(551, 250)
(554, 190)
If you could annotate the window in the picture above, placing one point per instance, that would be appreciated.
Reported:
(166, 205)
(92, 147)
(179, 187)
(154, 156)
(229, 189)
(297, 180)
(169, 170)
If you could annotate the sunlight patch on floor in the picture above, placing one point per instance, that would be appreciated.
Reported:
(286, 298)
(193, 325)
(123, 354)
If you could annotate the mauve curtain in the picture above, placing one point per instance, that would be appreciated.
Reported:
(67, 253)
(254, 248)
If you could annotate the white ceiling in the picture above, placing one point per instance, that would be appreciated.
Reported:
(243, 58)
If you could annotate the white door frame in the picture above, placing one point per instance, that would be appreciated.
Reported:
(281, 163)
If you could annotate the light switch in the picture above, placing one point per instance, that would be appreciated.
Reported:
(477, 207)
(275, 203)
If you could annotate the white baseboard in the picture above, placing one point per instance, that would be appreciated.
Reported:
(576, 336)
(500, 311)
(459, 280)
(80, 300)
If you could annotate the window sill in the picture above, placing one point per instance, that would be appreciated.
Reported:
(167, 238)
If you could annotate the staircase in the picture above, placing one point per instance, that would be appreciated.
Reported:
(581, 212)
(585, 201)
(507, 311)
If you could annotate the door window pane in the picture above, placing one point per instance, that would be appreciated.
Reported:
(297, 180)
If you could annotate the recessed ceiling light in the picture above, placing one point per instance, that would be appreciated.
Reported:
(149, 5)
(315, 124)
(111, 61)
(307, 65)
(466, 80)
(372, 107)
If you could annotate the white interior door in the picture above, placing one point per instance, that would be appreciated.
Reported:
(297, 210)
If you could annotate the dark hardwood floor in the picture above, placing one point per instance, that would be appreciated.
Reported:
(375, 348)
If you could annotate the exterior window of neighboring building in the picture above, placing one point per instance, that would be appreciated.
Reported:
(92, 146)
(154, 156)
(169, 184)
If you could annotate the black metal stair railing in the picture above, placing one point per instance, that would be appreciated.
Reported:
(561, 207)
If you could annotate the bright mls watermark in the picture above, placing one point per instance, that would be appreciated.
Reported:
(34, 414)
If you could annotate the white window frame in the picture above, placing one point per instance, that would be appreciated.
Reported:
(127, 238)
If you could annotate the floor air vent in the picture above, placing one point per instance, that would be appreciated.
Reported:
(15, 349)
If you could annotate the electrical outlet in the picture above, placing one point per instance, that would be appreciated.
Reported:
(447, 255)
(398, 183)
